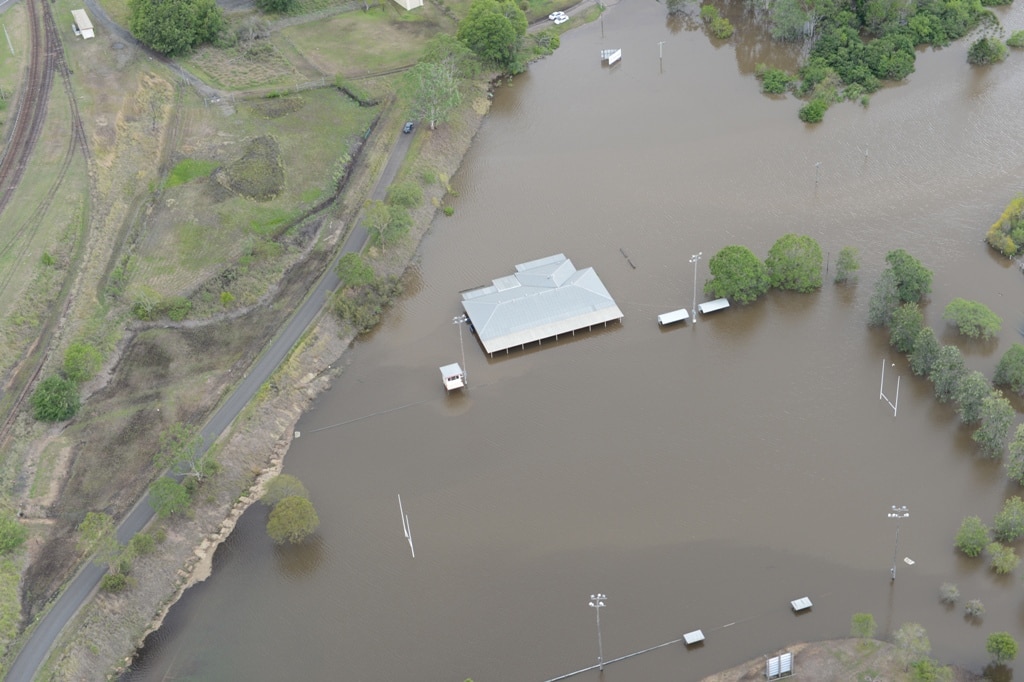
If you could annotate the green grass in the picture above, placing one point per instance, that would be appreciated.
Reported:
(10, 603)
(44, 470)
(117, 9)
(189, 169)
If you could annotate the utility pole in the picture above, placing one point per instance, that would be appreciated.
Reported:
(661, 62)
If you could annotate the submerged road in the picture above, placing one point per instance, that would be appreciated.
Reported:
(81, 587)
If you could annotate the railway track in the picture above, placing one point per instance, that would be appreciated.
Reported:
(45, 60)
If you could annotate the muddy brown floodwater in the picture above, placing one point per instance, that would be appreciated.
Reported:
(700, 476)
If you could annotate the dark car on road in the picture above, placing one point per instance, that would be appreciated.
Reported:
(407, 128)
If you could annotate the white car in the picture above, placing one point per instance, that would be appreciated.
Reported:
(558, 17)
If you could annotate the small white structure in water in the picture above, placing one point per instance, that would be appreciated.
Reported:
(453, 376)
(82, 26)
(712, 306)
(673, 317)
(611, 56)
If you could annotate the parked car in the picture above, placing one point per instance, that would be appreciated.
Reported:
(407, 128)
(558, 17)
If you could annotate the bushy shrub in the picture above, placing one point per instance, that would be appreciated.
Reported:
(814, 111)
(1008, 525)
(972, 537)
(1010, 369)
(1016, 39)
(775, 81)
(114, 582)
(142, 544)
(949, 593)
(55, 399)
(1004, 560)
(974, 320)
(81, 362)
(974, 608)
(12, 534)
(405, 194)
(986, 51)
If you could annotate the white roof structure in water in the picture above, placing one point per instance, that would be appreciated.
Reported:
(544, 299)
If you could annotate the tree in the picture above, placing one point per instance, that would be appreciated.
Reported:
(925, 353)
(973, 319)
(986, 50)
(974, 608)
(293, 519)
(862, 626)
(405, 194)
(81, 362)
(996, 419)
(448, 52)
(1008, 525)
(493, 31)
(1004, 560)
(970, 392)
(947, 371)
(168, 497)
(276, 6)
(376, 217)
(884, 299)
(433, 92)
(789, 20)
(928, 670)
(12, 534)
(906, 323)
(55, 399)
(97, 535)
(913, 280)
(737, 274)
(182, 451)
(282, 486)
(949, 593)
(794, 263)
(1015, 465)
(398, 226)
(912, 642)
(972, 537)
(1010, 370)
(1002, 646)
(174, 27)
(353, 270)
(847, 264)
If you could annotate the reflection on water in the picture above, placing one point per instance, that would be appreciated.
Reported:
(702, 476)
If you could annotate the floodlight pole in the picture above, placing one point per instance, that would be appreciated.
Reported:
(898, 513)
(661, 63)
(881, 390)
(461, 320)
(695, 258)
(597, 603)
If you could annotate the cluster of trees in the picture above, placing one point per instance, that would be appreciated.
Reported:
(292, 517)
(793, 264)
(1007, 234)
(97, 537)
(842, 64)
(895, 303)
(494, 31)
(175, 27)
(188, 464)
(362, 296)
(56, 398)
(975, 537)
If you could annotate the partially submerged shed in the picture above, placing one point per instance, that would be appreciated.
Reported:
(544, 299)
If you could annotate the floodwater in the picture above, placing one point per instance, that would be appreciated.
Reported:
(699, 476)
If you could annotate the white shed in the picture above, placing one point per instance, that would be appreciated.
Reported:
(410, 4)
(82, 26)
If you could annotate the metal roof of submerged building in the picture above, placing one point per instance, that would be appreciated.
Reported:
(543, 299)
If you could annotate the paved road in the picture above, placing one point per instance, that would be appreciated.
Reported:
(81, 587)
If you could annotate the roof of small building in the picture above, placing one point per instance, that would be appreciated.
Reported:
(544, 298)
(81, 19)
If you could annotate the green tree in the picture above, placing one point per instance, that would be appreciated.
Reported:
(1010, 370)
(12, 533)
(913, 280)
(432, 91)
(794, 263)
(973, 319)
(376, 216)
(1015, 464)
(81, 362)
(405, 194)
(494, 31)
(55, 399)
(97, 536)
(986, 50)
(398, 227)
(353, 270)
(928, 670)
(142, 544)
(282, 486)
(972, 537)
(949, 593)
(174, 27)
(996, 419)
(973, 608)
(885, 299)
(925, 353)
(293, 519)
(1016, 39)
(847, 264)
(447, 51)
(906, 323)
(1003, 559)
(182, 451)
(947, 370)
(862, 626)
(1002, 646)
(738, 274)
(912, 642)
(789, 19)
(1008, 525)
(275, 6)
(168, 497)
(969, 395)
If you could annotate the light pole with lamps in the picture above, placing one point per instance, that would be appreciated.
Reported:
(461, 320)
(597, 603)
(898, 513)
(695, 258)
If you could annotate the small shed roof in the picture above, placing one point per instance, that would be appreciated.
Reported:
(544, 298)
(712, 306)
(82, 22)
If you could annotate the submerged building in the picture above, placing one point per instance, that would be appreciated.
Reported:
(543, 299)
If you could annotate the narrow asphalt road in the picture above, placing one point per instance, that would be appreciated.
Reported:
(81, 587)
